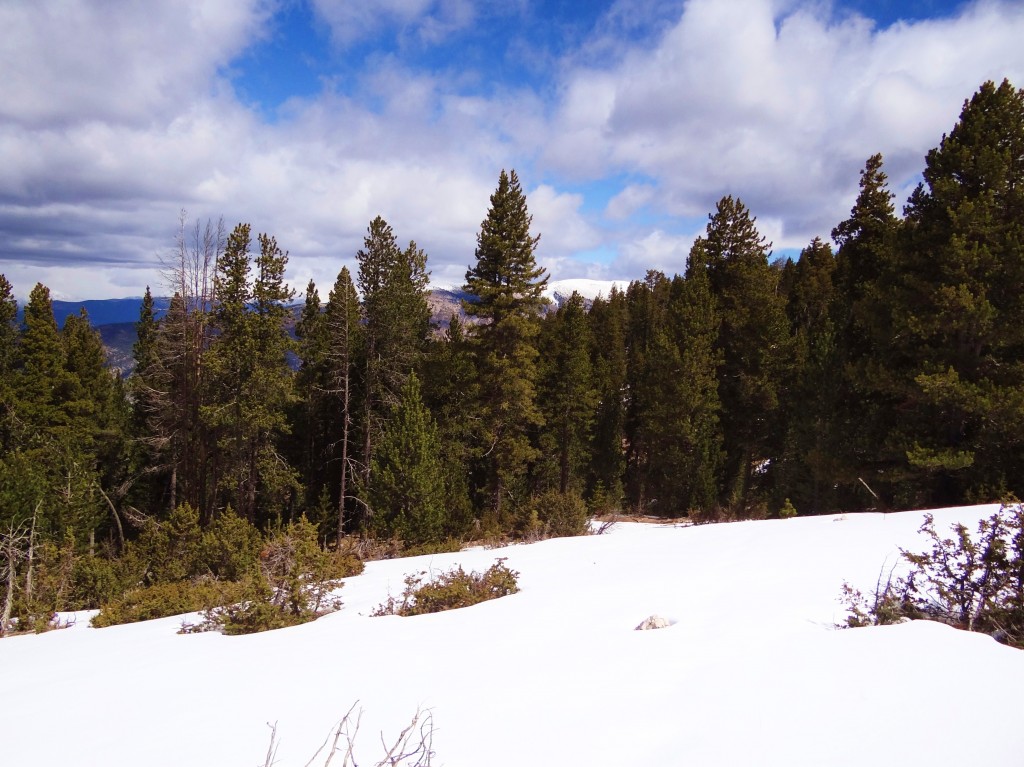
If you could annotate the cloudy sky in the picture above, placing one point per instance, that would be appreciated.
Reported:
(625, 119)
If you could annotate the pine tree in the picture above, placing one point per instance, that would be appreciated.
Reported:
(506, 288)
(8, 361)
(754, 340)
(309, 417)
(647, 373)
(249, 378)
(344, 338)
(958, 322)
(808, 468)
(393, 283)
(608, 322)
(698, 322)
(448, 392)
(567, 392)
(407, 482)
(866, 270)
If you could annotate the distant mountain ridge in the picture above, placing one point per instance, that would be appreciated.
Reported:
(115, 318)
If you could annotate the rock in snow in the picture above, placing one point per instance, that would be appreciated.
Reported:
(654, 622)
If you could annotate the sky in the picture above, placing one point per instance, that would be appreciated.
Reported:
(626, 120)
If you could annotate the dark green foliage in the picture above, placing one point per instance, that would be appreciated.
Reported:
(672, 427)
(163, 600)
(608, 320)
(809, 463)
(249, 379)
(451, 590)
(344, 345)
(296, 582)
(566, 392)
(396, 325)
(973, 584)
(448, 392)
(958, 338)
(559, 514)
(506, 286)
(754, 342)
(407, 491)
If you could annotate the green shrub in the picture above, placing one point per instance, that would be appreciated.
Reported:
(788, 510)
(447, 546)
(451, 590)
(165, 599)
(976, 585)
(296, 581)
(560, 514)
(230, 547)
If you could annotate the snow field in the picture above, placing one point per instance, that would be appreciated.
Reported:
(751, 673)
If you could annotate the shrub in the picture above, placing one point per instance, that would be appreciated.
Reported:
(230, 547)
(788, 510)
(976, 585)
(451, 590)
(165, 599)
(561, 514)
(296, 581)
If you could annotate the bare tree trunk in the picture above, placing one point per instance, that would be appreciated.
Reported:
(346, 420)
(31, 552)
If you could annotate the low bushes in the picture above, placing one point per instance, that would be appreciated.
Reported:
(977, 585)
(451, 590)
(239, 582)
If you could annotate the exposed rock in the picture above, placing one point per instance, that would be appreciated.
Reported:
(654, 622)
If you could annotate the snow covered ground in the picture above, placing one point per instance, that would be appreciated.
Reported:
(751, 673)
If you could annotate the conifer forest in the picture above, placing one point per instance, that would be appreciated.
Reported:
(881, 369)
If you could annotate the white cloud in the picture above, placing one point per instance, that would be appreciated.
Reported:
(112, 122)
(779, 105)
(68, 61)
(658, 250)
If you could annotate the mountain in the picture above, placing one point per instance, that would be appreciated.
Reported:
(559, 291)
(115, 318)
(752, 670)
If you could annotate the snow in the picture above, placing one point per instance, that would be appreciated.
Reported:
(751, 671)
(561, 290)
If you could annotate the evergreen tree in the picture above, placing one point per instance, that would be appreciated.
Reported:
(344, 338)
(699, 406)
(393, 283)
(407, 482)
(959, 321)
(310, 415)
(866, 270)
(8, 361)
(249, 379)
(808, 467)
(448, 392)
(567, 392)
(506, 288)
(647, 373)
(608, 320)
(754, 340)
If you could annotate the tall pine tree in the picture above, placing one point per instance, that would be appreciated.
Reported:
(506, 287)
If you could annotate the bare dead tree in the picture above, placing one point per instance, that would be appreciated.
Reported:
(12, 551)
(170, 391)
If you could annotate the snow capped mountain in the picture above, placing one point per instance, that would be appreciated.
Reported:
(559, 291)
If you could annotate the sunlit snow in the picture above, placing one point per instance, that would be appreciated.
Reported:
(751, 671)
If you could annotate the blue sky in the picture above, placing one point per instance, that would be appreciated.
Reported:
(626, 120)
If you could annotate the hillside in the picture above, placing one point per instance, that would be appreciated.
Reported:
(751, 673)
